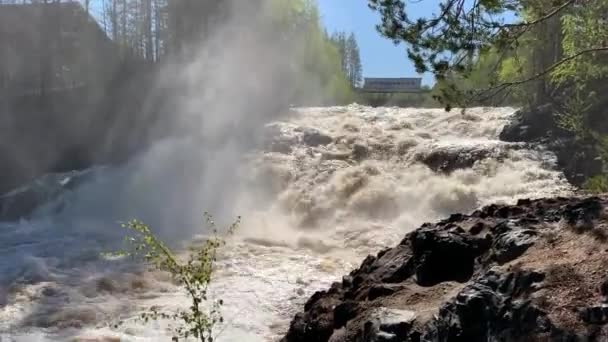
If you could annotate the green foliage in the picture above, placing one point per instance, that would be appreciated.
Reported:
(315, 57)
(583, 27)
(512, 69)
(443, 42)
(193, 275)
(351, 58)
(482, 70)
(597, 184)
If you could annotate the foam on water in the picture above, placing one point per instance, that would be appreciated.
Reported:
(330, 186)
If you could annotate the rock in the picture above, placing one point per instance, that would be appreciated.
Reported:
(344, 312)
(531, 123)
(604, 288)
(597, 314)
(388, 325)
(393, 266)
(578, 160)
(317, 324)
(382, 290)
(339, 335)
(584, 212)
(476, 279)
(449, 159)
(477, 228)
(15, 206)
(478, 312)
(512, 241)
(314, 138)
(360, 152)
(445, 255)
(21, 203)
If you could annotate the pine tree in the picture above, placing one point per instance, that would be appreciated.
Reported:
(350, 58)
(354, 62)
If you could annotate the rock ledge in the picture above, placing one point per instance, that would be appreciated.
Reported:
(535, 271)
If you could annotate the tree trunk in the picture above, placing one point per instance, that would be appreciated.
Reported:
(148, 30)
(114, 21)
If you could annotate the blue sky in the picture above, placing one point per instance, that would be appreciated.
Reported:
(379, 56)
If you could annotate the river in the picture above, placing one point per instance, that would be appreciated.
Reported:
(326, 187)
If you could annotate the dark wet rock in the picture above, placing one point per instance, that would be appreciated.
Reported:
(346, 311)
(486, 276)
(313, 137)
(477, 228)
(577, 159)
(597, 314)
(584, 212)
(393, 266)
(382, 290)
(604, 288)
(360, 152)
(493, 307)
(512, 239)
(20, 203)
(316, 324)
(445, 255)
(15, 206)
(512, 244)
(448, 159)
(531, 124)
(387, 325)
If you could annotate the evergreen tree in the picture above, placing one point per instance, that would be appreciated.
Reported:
(354, 62)
(350, 58)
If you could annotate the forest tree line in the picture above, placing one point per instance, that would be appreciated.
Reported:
(153, 31)
(148, 29)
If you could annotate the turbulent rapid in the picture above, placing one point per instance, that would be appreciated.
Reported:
(325, 187)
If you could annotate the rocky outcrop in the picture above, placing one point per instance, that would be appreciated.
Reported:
(446, 159)
(578, 160)
(22, 202)
(526, 272)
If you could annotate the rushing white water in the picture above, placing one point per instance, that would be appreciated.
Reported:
(330, 186)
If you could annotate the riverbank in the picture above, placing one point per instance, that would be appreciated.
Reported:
(530, 271)
(578, 160)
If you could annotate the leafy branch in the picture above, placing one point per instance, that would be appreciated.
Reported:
(194, 276)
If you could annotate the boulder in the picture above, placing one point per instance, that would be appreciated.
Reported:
(577, 159)
(530, 124)
(313, 138)
(447, 159)
(387, 325)
(20, 203)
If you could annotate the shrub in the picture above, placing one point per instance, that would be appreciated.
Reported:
(194, 276)
(597, 184)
